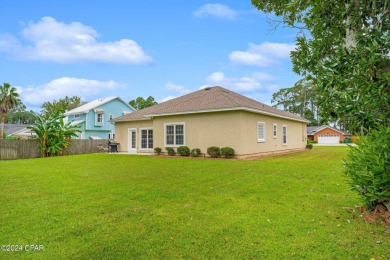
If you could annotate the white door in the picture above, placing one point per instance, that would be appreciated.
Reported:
(132, 147)
(328, 139)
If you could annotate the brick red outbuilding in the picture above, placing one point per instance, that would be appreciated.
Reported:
(326, 134)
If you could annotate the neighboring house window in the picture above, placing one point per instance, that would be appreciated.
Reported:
(275, 131)
(284, 135)
(110, 117)
(111, 136)
(76, 116)
(99, 118)
(174, 134)
(147, 138)
(260, 131)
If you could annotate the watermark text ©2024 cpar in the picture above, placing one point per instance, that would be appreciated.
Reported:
(17, 248)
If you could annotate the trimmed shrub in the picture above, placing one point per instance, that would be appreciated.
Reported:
(170, 151)
(309, 146)
(157, 150)
(228, 152)
(368, 166)
(196, 152)
(214, 151)
(183, 150)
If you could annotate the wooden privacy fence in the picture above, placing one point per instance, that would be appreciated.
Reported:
(24, 149)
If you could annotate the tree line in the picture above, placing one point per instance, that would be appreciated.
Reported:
(13, 111)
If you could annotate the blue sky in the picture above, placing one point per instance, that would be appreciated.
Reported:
(164, 49)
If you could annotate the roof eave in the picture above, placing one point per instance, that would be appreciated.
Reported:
(76, 113)
(230, 109)
(129, 120)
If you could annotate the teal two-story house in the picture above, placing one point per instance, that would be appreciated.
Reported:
(94, 117)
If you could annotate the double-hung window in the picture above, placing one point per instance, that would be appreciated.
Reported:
(275, 130)
(146, 138)
(284, 135)
(99, 117)
(174, 134)
(260, 132)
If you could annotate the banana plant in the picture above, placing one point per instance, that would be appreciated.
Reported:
(53, 133)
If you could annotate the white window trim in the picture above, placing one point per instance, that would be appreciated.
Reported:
(165, 134)
(96, 119)
(284, 143)
(111, 134)
(140, 138)
(259, 140)
(273, 130)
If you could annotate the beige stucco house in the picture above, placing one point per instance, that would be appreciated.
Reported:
(213, 116)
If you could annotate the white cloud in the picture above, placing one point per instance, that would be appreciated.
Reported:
(169, 86)
(258, 85)
(216, 77)
(8, 43)
(51, 40)
(242, 84)
(166, 98)
(262, 55)
(216, 10)
(56, 89)
(176, 89)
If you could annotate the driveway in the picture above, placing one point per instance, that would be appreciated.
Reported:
(351, 144)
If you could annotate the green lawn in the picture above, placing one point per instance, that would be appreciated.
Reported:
(121, 206)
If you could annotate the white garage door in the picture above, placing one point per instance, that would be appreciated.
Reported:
(328, 139)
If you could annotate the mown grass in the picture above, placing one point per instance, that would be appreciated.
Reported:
(121, 206)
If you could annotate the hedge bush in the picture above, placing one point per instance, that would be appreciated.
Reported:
(228, 152)
(183, 150)
(170, 151)
(309, 146)
(157, 150)
(214, 151)
(368, 166)
(196, 152)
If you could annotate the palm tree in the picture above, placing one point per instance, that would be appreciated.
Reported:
(9, 98)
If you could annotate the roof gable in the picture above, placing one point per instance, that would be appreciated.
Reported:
(95, 104)
(210, 99)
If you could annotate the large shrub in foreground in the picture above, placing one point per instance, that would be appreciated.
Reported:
(368, 166)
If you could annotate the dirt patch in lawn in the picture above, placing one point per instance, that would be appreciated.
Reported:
(379, 214)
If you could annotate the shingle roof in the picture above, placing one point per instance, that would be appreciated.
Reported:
(210, 99)
(91, 105)
(10, 129)
(311, 130)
